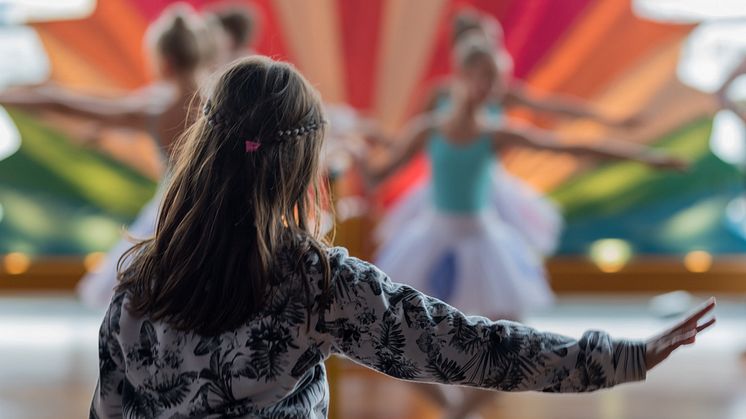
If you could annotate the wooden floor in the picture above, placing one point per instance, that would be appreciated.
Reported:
(48, 368)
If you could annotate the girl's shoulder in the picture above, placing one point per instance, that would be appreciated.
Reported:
(336, 258)
(340, 264)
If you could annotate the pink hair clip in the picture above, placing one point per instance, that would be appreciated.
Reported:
(252, 146)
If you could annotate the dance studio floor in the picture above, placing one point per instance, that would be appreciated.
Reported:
(48, 368)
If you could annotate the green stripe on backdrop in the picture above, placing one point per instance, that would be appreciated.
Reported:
(614, 188)
(39, 224)
(59, 198)
(47, 161)
(656, 212)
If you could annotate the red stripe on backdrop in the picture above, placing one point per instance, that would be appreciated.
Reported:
(394, 189)
(360, 22)
(271, 41)
(534, 28)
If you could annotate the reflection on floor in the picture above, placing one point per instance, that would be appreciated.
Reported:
(48, 361)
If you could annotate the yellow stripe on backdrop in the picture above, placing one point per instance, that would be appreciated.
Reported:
(313, 33)
(652, 81)
(407, 41)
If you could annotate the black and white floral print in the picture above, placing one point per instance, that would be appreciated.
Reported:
(272, 367)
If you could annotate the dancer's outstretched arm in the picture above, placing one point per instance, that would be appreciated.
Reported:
(403, 150)
(132, 111)
(566, 106)
(524, 136)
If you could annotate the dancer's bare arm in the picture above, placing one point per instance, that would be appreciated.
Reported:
(565, 106)
(525, 136)
(404, 149)
(132, 111)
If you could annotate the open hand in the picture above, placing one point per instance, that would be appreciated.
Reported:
(684, 333)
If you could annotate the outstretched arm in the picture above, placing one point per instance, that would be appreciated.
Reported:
(403, 333)
(564, 106)
(608, 150)
(134, 111)
(402, 150)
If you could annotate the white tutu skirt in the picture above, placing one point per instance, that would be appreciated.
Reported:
(476, 263)
(96, 288)
(536, 218)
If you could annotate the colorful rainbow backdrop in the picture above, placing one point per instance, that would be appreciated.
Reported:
(380, 56)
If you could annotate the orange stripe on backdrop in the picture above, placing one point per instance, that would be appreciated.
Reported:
(125, 27)
(406, 44)
(631, 40)
(591, 56)
(70, 68)
(312, 34)
(632, 90)
(652, 81)
(581, 41)
(585, 62)
(95, 44)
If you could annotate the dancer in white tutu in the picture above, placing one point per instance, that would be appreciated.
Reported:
(460, 251)
(161, 109)
(531, 214)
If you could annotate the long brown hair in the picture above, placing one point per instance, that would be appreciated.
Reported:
(230, 207)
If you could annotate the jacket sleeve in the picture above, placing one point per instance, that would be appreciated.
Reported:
(403, 333)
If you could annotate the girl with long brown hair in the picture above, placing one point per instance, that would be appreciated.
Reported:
(234, 304)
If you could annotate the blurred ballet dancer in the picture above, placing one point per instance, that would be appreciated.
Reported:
(461, 252)
(161, 109)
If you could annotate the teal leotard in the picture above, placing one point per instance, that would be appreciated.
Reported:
(461, 172)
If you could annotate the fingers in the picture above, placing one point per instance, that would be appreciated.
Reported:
(700, 312)
(706, 325)
(687, 337)
(685, 333)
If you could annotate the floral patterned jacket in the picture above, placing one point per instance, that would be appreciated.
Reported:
(272, 367)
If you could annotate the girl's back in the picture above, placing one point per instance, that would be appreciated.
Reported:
(262, 368)
(272, 365)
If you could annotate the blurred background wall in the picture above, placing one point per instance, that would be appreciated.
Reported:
(65, 196)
